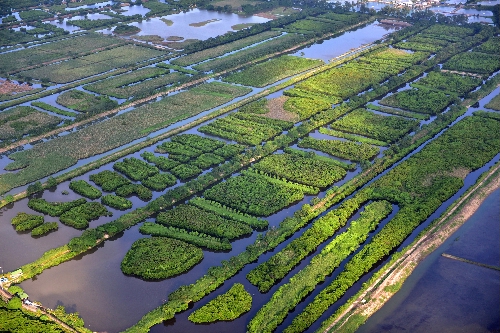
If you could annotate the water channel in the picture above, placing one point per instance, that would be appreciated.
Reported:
(110, 301)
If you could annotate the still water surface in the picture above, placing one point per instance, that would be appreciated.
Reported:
(445, 295)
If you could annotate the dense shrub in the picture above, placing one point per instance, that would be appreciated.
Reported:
(228, 306)
(195, 219)
(160, 258)
(53, 208)
(79, 217)
(23, 221)
(83, 188)
(135, 168)
(109, 180)
(116, 202)
(44, 229)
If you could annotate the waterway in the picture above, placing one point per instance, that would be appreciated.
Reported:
(113, 301)
(106, 304)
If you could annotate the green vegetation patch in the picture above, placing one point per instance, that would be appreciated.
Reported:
(421, 100)
(230, 213)
(44, 229)
(449, 83)
(451, 30)
(135, 168)
(137, 83)
(344, 149)
(178, 148)
(268, 72)
(257, 194)
(217, 51)
(228, 306)
(474, 62)
(351, 137)
(256, 107)
(494, 104)
(53, 208)
(356, 76)
(303, 170)
(186, 171)
(491, 46)
(277, 44)
(191, 237)
(60, 153)
(80, 216)
(83, 188)
(92, 64)
(204, 161)
(311, 154)
(195, 219)
(486, 114)
(305, 107)
(109, 180)
(397, 112)
(59, 49)
(160, 258)
(23, 221)
(246, 128)
(322, 265)
(140, 190)
(161, 162)
(116, 202)
(16, 320)
(160, 181)
(124, 29)
(34, 15)
(313, 26)
(229, 150)
(383, 128)
(85, 102)
(205, 145)
(24, 120)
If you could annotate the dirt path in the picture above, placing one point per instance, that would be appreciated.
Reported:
(402, 268)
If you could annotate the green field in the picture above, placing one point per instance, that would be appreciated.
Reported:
(137, 83)
(24, 120)
(59, 154)
(96, 63)
(61, 49)
(268, 72)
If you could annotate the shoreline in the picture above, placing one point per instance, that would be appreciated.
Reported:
(385, 285)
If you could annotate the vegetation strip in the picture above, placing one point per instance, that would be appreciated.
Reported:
(300, 285)
(386, 282)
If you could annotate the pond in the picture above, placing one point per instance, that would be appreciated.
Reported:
(215, 24)
(333, 47)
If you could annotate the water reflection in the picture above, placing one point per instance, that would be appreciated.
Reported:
(181, 24)
(336, 46)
